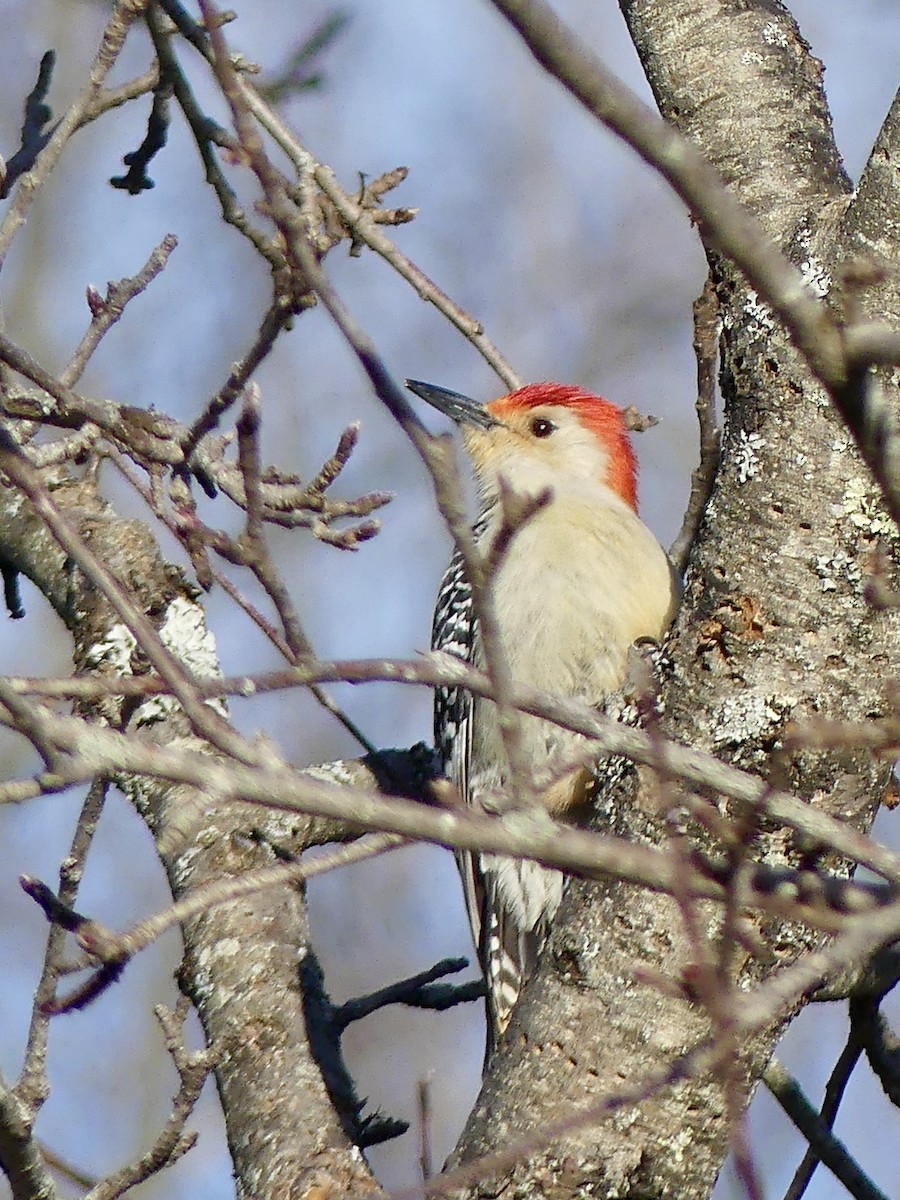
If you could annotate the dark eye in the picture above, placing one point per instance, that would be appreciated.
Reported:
(541, 427)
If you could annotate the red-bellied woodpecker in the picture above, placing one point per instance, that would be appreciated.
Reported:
(577, 584)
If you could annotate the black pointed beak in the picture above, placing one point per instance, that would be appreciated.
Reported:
(460, 409)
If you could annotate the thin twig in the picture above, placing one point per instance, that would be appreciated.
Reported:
(878, 1041)
(365, 229)
(193, 535)
(33, 137)
(698, 768)
(107, 310)
(272, 324)
(834, 1092)
(830, 903)
(116, 950)
(33, 1085)
(208, 134)
(26, 720)
(123, 15)
(417, 991)
(361, 223)
(829, 1149)
(724, 220)
(433, 451)
(173, 1142)
(70, 1173)
(109, 98)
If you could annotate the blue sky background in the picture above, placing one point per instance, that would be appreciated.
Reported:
(582, 267)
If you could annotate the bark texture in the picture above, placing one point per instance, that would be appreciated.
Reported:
(774, 628)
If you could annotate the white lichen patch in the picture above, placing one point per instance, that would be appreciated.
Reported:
(135, 790)
(155, 710)
(185, 633)
(860, 507)
(184, 865)
(815, 276)
(227, 948)
(838, 568)
(625, 1119)
(841, 443)
(747, 717)
(760, 322)
(334, 772)
(746, 460)
(801, 462)
(774, 35)
(114, 651)
(680, 1144)
(13, 503)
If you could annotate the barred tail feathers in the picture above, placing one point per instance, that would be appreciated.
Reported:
(519, 899)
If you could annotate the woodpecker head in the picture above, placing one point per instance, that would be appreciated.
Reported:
(543, 435)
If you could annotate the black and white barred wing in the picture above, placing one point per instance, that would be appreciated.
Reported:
(454, 632)
(495, 887)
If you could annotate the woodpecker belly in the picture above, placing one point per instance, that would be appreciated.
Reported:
(570, 598)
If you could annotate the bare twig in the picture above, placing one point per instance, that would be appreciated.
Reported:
(207, 135)
(107, 310)
(723, 219)
(32, 1086)
(272, 324)
(136, 179)
(110, 98)
(425, 1108)
(26, 719)
(67, 1170)
(701, 770)
(34, 137)
(173, 1142)
(300, 72)
(249, 462)
(826, 902)
(115, 950)
(293, 643)
(880, 1044)
(834, 1091)
(829, 1149)
(361, 221)
(12, 593)
(325, 1031)
(365, 229)
(114, 34)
